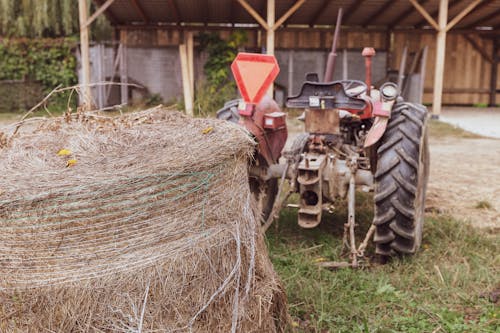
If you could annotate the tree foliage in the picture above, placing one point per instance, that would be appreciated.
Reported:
(44, 18)
(219, 86)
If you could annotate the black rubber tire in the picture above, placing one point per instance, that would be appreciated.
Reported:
(401, 181)
(229, 111)
(265, 193)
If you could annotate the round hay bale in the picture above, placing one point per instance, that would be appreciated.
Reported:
(138, 223)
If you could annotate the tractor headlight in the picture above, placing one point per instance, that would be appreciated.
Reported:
(389, 91)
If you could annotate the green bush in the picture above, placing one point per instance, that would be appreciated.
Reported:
(219, 86)
(42, 64)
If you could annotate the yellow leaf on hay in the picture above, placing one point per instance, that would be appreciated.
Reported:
(295, 324)
(64, 152)
(70, 163)
(207, 130)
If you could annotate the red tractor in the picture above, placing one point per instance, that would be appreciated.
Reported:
(355, 137)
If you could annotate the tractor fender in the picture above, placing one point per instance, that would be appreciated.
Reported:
(376, 131)
(382, 113)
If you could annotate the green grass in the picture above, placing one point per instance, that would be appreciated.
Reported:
(438, 290)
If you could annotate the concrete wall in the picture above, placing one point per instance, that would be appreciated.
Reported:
(158, 70)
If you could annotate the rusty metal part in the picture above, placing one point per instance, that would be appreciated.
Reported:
(322, 121)
(368, 53)
(330, 65)
(310, 179)
(278, 204)
(270, 141)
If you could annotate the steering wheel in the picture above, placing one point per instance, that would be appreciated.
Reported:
(354, 87)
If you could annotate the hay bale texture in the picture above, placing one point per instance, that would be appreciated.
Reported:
(137, 223)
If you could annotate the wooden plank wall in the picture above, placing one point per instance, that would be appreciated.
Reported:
(467, 73)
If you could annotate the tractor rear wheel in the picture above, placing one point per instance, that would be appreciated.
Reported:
(401, 181)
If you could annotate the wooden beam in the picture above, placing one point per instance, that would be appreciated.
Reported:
(483, 19)
(186, 86)
(97, 13)
(351, 10)
(422, 11)
(435, 13)
(321, 9)
(440, 58)
(379, 12)
(476, 47)
(86, 99)
(462, 14)
(109, 14)
(254, 14)
(175, 10)
(494, 73)
(288, 13)
(271, 16)
(140, 10)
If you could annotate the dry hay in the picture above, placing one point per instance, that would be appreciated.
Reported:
(146, 226)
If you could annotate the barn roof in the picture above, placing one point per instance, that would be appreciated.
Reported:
(367, 14)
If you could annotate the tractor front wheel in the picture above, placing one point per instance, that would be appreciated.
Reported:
(401, 181)
(264, 193)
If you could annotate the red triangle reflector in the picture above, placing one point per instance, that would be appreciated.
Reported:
(254, 73)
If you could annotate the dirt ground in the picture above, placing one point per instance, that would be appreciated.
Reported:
(465, 180)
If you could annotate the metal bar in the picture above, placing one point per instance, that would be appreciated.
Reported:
(290, 72)
(351, 220)
(98, 12)
(330, 65)
(462, 14)
(84, 49)
(254, 13)
(288, 13)
(440, 58)
(402, 68)
(424, 13)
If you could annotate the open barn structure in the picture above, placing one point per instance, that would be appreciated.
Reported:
(462, 39)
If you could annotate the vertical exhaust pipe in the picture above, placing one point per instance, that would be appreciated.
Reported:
(368, 53)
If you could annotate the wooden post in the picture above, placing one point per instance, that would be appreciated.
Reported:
(271, 7)
(99, 57)
(186, 86)
(190, 58)
(290, 72)
(86, 99)
(494, 73)
(123, 75)
(440, 55)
